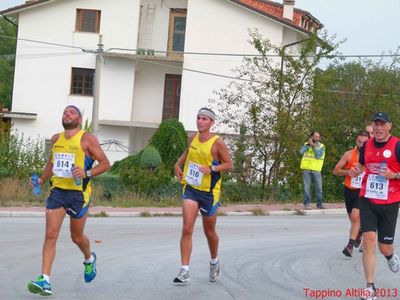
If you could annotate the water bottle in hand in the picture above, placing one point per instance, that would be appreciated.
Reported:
(35, 183)
(77, 180)
(382, 167)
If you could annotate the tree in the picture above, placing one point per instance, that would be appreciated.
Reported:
(8, 33)
(271, 98)
(345, 97)
(240, 160)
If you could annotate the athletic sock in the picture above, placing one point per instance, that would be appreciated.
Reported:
(46, 277)
(90, 260)
(214, 261)
(185, 267)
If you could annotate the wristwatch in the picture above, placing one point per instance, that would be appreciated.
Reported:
(88, 173)
(213, 168)
(397, 176)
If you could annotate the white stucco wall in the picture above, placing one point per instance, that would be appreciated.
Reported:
(159, 37)
(112, 151)
(43, 72)
(139, 138)
(149, 92)
(218, 27)
(116, 89)
(129, 91)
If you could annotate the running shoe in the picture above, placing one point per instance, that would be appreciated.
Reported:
(358, 240)
(348, 251)
(394, 263)
(321, 206)
(307, 206)
(215, 271)
(40, 286)
(90, 269)
(183, 277)
(361, 248)
(368, 293)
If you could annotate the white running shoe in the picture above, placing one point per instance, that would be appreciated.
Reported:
(394, 263)
(368, 293)
(215, 271)
(183, 277)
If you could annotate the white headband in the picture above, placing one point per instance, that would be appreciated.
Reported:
(207, 112)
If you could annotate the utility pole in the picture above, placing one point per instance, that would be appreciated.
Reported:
(96, 88)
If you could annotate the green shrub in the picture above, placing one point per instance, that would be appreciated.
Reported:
(146, 182)
(125, 164)
(170, 140)
(150, 158)
(111, 185)
(240, 192)
(20, 156)
(173, 189)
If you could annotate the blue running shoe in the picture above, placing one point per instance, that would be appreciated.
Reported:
(90, 269)
(40, 286)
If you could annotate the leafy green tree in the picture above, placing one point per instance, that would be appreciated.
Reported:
(271, 99)
(7, 61)
(240, 158)
(345, 97)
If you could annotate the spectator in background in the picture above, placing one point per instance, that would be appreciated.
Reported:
(313, 152)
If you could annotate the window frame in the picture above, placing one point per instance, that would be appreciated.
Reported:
(87, 70)
(79, 20)
(172, 14)
(177, 79)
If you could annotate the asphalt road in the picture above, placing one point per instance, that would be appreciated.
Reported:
(268, 257)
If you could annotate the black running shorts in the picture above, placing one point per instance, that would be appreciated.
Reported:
(72, 201)
(351, 199)
(381, 217)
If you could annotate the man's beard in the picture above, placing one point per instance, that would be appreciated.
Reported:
(70, 126)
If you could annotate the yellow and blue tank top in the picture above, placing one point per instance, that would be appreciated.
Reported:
(65, 154)
(199, 154)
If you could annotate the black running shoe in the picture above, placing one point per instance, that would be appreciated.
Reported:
(348, 251)
(358, 240)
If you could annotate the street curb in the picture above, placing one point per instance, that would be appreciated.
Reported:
(21, 214)
(30, 214)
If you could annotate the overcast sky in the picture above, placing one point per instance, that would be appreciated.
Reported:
(369, 25)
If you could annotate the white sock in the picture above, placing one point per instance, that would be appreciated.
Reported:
(185, 267)
(90, 260)
(46, 277)
(214, 261)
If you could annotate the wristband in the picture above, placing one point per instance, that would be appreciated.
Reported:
(397, 176)
(213, 168)
(88, 173)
